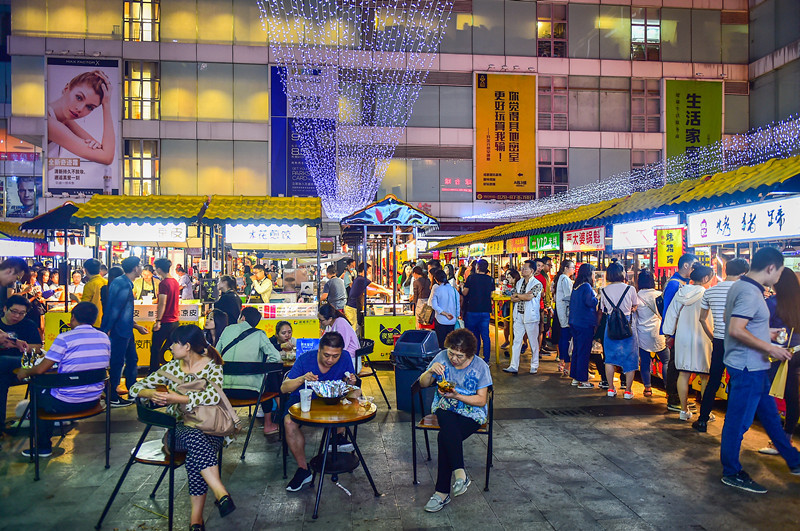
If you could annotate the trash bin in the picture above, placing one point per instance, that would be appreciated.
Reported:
(413, 353)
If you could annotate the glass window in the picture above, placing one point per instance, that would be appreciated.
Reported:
(551, 30)
(553, 104)
(141, 20)
(645, 34)
(553, 171)
(645, 105)
(643, 174)
(142, 91)
(140, 170)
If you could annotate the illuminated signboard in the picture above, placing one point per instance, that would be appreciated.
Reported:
(74, 251)
(592, 239)
(14, 248)
(640, 234)
(769, 220)
(143, 232)
(545, 242)
(262, 234)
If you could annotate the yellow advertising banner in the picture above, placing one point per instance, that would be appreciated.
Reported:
(505, 136)
(669, 247)
(494, 248)
(382, 329)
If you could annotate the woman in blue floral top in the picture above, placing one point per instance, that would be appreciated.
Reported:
(460, 412)
(193, 359)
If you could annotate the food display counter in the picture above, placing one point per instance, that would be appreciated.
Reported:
(144, 314)
(302, 317)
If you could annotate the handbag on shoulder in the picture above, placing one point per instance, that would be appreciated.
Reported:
(220, 419)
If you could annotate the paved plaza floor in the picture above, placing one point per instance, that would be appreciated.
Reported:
(563, 459)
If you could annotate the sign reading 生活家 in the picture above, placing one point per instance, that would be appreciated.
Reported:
(545, 242)
(669, 247)
(639, 234)
(517, 245)
(768, 220)
(262, 234)
(505, 136)
(591, 239)
(694, 116)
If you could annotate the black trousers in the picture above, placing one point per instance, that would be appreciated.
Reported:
(453, 431)
(51, 404)
(714, 379)
(671, 383)
(160, 345)
(441, 331)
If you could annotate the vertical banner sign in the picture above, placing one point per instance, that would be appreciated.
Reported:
(505, 136)
(83, 125)
(694, 119)
(669, 247)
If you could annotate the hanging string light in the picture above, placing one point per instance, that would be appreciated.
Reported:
(352, 71)
(775, 140)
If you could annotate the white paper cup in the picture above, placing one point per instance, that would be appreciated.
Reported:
(305, 400)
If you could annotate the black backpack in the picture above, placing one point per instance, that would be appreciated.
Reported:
(617, 325)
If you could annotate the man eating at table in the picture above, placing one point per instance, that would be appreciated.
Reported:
(330, 362)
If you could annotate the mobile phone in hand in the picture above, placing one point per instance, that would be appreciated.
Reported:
(161, 388)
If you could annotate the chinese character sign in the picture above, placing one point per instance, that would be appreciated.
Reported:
(143, 232)
(477, 249)
(262, 234)
(592, 239)
(669, 247)
(694, 117)
(494, 248)
(768, 220)
(545, 242)
(517, 245)
(640, 234)
(83, 141)
(505, 136)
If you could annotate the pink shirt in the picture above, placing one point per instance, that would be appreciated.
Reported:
(351, 343)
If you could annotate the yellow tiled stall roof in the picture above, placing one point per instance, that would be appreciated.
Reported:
(642, 202)
(305, 210)
(466, 239)
(766, 174)
(12, 232)
(558, 220)
(140, 209)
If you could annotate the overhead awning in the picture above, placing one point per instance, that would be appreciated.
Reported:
(640, 205)
(59, 218)
(140, 209)
(11, 231)
(250, 209)
(390, 211)
(743, 184)
(466, 239)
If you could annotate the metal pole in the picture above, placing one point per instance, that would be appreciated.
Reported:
(66, 270)
(365, 262)
(394, 277)
(319, 269)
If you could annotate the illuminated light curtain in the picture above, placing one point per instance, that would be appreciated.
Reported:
(352, 71)
(776, 140)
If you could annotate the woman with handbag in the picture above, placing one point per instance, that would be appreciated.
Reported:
(620, 345)
(191, 387)
(445, 304)
(692, 345)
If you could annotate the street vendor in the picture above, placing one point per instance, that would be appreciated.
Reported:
(261, 287)
(330, 362)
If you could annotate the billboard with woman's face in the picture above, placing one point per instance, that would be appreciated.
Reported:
(83, 125)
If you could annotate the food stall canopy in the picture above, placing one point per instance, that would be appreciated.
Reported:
(466, 239)
(381, 217)
(59, 218)
(264, 209)
(641, 205)
(11, 231)
(140, 209)
(743, 185)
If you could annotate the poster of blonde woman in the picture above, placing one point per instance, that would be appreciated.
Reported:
(83, 125)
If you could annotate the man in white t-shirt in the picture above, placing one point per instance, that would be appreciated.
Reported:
(714, 301)
(526, 311)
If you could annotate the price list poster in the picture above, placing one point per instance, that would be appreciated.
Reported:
(505, 137)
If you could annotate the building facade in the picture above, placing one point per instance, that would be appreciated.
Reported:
(195, 87)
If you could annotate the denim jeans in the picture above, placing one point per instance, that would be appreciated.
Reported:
(123, 352)
(581, 353)
(7, 379)
(714, 379)
(748, 395)
(51, 404)
(646, 364)
(478, 324)
(564, 341)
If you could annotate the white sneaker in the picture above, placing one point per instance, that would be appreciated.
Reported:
(686, 415)
(769, 450)
(611, 393)
(712, 417)
(575, 382)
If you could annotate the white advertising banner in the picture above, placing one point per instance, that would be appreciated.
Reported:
(261, 234)
(83, 125)
(769, 220)
(592, 239)
(143, 232)
(640, 234)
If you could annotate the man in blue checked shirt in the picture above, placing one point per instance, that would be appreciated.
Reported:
(81, 349)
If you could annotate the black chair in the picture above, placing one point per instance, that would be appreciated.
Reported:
(431, 423)
(270, 387)
(42, 382)
(150, 417)
(367, 348)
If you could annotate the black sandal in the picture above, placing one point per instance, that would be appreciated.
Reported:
(225, 505)
(198, 527)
